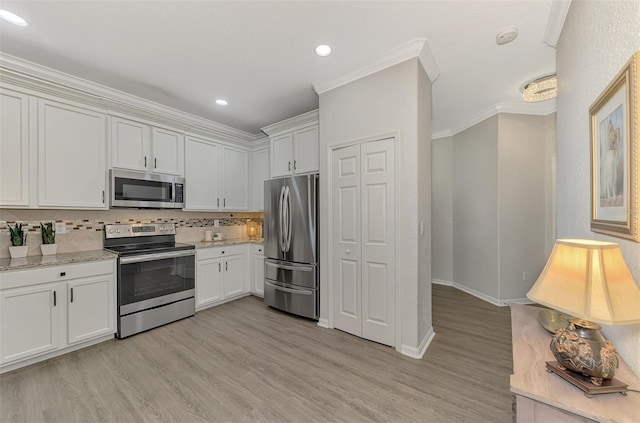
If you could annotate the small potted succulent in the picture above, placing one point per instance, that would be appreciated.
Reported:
(48, 246)
(19, 246)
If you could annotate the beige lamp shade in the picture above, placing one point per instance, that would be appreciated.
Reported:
(590, 280)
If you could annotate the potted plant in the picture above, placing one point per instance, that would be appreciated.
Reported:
(19, 246)
(48, 246)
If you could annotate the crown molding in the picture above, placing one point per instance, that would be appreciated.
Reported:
(557, 16)
(542, 108)
(415, 48)
(309, 118)
(41, 79)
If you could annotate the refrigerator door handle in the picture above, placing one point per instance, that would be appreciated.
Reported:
(289, 219)
(297, 268)
(292, 291)
(280, 221)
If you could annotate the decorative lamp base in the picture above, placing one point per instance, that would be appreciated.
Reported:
(609, 386)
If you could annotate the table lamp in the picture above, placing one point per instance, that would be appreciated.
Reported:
(590, 281)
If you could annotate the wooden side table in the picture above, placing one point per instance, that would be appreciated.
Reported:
(545, 397)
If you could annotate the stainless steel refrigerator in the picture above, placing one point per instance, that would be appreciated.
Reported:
(291, 245)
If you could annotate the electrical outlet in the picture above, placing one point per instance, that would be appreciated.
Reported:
(525, 276)
(61, 228)
(216, 223)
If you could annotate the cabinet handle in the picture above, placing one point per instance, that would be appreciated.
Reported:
(223, 252)
(219, 267)
(295, 164)
(145, 161)
(224, 202)
(102, 196)
(289, 165)
(226, 265)
(63, 274)
(54, 299)
(155, 162)
(218, 202)
(71, 294)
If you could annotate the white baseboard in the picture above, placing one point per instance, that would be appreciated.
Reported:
(482, 295)
(417, 353)
(323, 323)
(441, 282)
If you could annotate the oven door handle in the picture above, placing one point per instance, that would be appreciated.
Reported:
(156, 256)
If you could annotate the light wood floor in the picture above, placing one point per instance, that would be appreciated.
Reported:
(243, 361)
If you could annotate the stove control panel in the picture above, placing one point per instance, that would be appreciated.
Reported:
(138, 229)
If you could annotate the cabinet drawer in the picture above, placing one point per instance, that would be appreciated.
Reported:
(258, 249)
(61, 273)
(222, 251)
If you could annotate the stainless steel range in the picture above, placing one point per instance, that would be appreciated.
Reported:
(156, 276)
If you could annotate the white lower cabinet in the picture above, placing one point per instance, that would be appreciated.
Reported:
(89, 308)
(221, 274)
(30, 321)
(51, 310)
(257, 287)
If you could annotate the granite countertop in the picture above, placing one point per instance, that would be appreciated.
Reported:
(8, 264)
(225, 242)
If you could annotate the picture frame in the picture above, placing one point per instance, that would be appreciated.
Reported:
(614, 123)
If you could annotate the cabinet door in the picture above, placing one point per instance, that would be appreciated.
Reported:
(14, 148)
(202, 175)
(235, 179)
(260, 168)
(258, 275)
(28, 321)
(90, 309)
(71, 156)
(234, 275)
(209, 281)
(168, 155)
(305, 158)
(130, 144)
(281, 155)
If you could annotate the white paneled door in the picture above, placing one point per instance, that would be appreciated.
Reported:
(363, 193)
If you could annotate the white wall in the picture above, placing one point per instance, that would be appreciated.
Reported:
(382, 103)
(596, 41)
(496, 180)
(442, 209)
(475, 208)
(522, 201)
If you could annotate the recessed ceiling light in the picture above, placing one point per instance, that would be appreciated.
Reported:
(544, 88)
(323, 50)
(221, 102)
(12, 18)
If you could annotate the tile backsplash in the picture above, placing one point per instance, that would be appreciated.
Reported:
(84, 227)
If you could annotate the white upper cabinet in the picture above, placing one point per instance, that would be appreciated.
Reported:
(281, 155)
(71, 156)
(294, 145)
(14, 148)
(137, 146)
(130, 144)
(235, 179)
(260, 173)
(216, 176)
(167, 149)
(305, 150)
(201, 175)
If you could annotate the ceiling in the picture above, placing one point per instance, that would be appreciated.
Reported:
(259, 54)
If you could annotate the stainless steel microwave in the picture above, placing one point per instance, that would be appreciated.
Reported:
(146, 190)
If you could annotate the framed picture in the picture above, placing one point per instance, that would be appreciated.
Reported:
(614, 155)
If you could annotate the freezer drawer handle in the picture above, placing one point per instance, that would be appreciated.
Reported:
(284, 266)
(293, 291)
